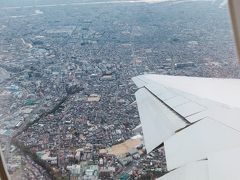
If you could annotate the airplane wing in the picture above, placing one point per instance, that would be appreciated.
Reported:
(197, 120)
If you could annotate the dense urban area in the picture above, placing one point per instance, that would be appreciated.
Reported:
(67, 101)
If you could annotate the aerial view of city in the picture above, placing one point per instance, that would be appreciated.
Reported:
(67, 104)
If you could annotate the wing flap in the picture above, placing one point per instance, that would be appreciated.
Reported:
(193, 171)
(158, 121)
(197, 141)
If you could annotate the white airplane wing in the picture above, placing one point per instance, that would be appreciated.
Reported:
(197, 120)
